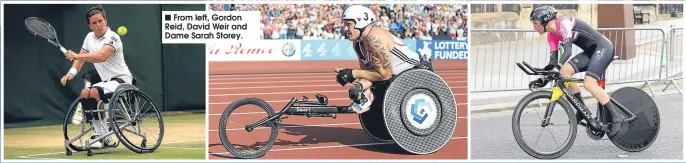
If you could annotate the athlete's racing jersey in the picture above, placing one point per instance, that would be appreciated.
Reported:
(402, 57)
(572, 30)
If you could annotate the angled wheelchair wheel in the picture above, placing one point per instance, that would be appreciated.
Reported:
(75, 128)
(135, 119)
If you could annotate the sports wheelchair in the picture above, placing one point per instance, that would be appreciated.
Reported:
(415, 109)
(128, 108)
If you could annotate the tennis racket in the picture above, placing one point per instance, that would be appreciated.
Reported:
(42, 28)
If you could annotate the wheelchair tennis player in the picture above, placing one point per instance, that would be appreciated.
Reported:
(105, 50)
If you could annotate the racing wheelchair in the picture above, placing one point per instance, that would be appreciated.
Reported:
(415, 109)
(636, 135)
(127, 112)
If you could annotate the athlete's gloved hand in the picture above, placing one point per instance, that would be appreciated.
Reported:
(356, 93)
(538, 83)
(344, 76)
(549, 67)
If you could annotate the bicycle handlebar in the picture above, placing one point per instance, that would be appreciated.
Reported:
(534, 71)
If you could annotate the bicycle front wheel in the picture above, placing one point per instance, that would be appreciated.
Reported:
(544, 141)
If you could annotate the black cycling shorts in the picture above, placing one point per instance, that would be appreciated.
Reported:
(594, 62)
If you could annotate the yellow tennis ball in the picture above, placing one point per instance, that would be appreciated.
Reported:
(122, 30)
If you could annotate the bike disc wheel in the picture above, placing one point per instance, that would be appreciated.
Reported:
(533, 108)
(640, 133)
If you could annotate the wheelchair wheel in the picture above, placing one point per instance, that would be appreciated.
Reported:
(74, 133)
(130, 113)
(257, 149)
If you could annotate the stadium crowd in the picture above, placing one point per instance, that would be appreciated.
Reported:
(322, 21)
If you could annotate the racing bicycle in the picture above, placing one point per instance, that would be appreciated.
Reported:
(636, 135)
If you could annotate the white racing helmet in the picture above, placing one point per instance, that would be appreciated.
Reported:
(362, 16)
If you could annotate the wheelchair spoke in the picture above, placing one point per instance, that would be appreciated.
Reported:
(250, 121)
(137, 106)
(236, 129)
(123, 110)
(143, 112)
(138, 133)
(235, 123)
(153, 114)
(148, 108)
(153, 135)
(137, 111)
(132, 108)
(120, 116)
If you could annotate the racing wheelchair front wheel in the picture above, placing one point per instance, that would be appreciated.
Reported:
(257, 149)
(130, 113)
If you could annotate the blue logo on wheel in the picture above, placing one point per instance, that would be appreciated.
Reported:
(419, 115)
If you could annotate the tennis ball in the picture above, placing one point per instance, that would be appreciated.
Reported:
(121, 30)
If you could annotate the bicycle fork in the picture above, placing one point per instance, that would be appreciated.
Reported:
(548, 114)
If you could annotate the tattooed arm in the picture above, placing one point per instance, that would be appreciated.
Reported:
(381, 60)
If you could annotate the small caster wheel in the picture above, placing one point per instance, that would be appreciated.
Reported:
(90, 153)
(68, 153)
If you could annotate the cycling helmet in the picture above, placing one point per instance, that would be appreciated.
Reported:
(362, 16)
(543, 14)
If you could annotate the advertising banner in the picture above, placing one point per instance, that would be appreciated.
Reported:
(335, 49)
(258, 50)
(443, 49)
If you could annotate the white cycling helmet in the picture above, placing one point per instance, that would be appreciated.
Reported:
(362, 16)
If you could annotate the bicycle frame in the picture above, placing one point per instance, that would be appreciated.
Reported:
(560, 87)
(317, 108)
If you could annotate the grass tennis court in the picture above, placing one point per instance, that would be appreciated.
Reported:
(184, 138)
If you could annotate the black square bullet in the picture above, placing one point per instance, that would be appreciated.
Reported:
(167, 17)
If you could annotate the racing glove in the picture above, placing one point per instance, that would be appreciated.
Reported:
(538, 83)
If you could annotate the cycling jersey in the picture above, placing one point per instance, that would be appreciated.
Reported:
(571, 30)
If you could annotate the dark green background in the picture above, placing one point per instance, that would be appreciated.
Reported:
(173, 75)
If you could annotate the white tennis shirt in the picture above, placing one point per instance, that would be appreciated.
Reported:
(115, 65)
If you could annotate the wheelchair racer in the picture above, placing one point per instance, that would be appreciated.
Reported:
(380, 54)
(598, 53)
(105, 50)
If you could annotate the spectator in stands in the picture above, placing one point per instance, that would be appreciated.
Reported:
(300, 31)
(322, 21)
